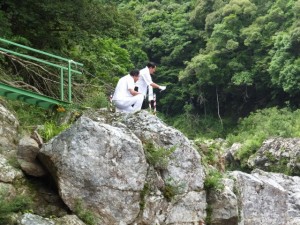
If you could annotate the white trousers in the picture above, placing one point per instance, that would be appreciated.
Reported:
(129, 104)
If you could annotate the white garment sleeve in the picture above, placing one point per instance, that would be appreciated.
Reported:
(147, 78)
(130, 83)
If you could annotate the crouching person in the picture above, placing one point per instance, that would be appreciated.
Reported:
(125, 98)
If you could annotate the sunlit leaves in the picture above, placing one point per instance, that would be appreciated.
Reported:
(242, 78)
(105, 58)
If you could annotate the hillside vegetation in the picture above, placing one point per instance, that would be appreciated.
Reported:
(221, 60)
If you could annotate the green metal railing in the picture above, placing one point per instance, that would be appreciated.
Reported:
(66, 67)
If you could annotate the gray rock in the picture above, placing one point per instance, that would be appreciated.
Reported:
(224, 204)
(28, 150)
(8, 173)
(100, 161)
(68, 220)
(31, 219)
(8, 128)
(103, 167)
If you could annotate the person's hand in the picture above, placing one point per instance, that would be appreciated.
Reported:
(162, 88)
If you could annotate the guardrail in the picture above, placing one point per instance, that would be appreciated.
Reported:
(62, 68)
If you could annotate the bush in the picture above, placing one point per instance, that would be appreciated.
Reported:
(263, 124)
(213, 180)
(194, 125)
(95, 98)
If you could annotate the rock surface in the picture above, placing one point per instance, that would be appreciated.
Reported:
(101, 163)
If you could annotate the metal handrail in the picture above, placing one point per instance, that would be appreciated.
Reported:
(62, 68)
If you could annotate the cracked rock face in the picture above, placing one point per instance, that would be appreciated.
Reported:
(100, 163)
(99, 166)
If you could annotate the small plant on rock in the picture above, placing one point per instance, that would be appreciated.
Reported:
(172, 189)
(85, 215)
(158, 157)
(213, 180)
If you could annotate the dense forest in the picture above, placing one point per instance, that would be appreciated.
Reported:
(220, 59)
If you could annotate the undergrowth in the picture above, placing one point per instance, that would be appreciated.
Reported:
(263, 124)
(8, 206)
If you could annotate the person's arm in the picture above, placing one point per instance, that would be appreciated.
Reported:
(133, 92)
(154, 85)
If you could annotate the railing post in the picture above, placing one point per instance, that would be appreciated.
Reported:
(62, 67)
(62, 84)
(69, 81)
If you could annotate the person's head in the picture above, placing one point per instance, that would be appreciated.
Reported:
(152, 67)
(135, 74)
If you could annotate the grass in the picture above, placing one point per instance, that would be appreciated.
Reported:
(213, 181)
(51, 129)
(14, 205)
(85, 215)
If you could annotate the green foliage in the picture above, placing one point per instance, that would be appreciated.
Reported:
(12, 205)
(171, 189)
(50, 129)
(13, 161)
(194, 125)
(28, 115)
(143, 194)
(240, 55)
(66, 21)
(247, 54)
(213, 180)
(158, 157)
(86, 216)
(211, 153)
(95, 98)
(262, 124)
(105, 60)
(285, 63)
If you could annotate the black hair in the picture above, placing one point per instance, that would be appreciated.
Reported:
(134, 73)
(151, 65)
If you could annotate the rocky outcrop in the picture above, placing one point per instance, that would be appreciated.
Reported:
(278, 155)
(100, 162)
(101, 165)
(224, 204)
(259, 198)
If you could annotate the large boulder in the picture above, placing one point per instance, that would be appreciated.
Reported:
(100, 163)
(258, 198)
(99, 166)
(185, 163)
(257, 202)
(224, 204)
